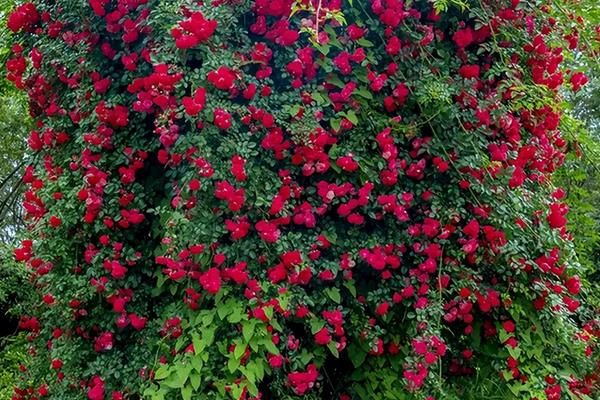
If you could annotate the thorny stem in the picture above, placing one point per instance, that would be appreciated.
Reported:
(317, 21)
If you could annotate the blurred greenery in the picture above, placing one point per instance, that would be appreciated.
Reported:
(14, 127)
(585, 103)
(12, 353)
(580, 178)
(580, 175)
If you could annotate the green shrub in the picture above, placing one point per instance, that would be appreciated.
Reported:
(12, 354)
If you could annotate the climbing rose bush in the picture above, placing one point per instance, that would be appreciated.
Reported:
(258, 199)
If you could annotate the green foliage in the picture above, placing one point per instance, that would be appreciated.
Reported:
(14, 287)
(12, 354)
(13, 281)
(580, 176)
(245, 199)
(14, 124)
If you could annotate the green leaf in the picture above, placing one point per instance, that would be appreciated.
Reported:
(364, 93)
(252, 388)
(233, 364)
(239, 350)
(197, 343)
(275, 324)
(334, 294)
(335, 123)
(186, 393)
(323, 48)
(154, 395)
(178, 379)
(305, 356)
(364, 42)
(208, 318)
(514, 352)
(248, 330)
(208, 337)
(259, 369)
(350, 286)
(270, 346)
(294, 110)
(249, 374)
(195, 380)
(236, 316)
(223, 310)
(316, 325)
(335, 80)
(516, 388)
(316, 96)
(197, 362)
(268, 312)
(332, 346)
(351, 115)
(162, 373)
(356, 354)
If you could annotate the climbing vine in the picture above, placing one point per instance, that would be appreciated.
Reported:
(324, 199)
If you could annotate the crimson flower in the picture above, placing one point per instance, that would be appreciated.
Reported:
(463, 37)
(197, 30)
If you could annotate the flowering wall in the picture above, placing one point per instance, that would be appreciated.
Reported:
(279, 199)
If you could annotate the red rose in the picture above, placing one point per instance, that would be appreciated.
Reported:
(211, 280)
(578, 80)
(347, 163)
(301, 382)
(223, 78)
(508, 326)
(198, 30)
(469, 71)
(96, 391)
(463, 37)
(193, 105)
(222, 119)
(137, 322)
(323, 337)
(267, 231)
(54, 221)
(237, 168)
(238, 229)
(382, 308)
(556, 217)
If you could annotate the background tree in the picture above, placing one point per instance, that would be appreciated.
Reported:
(580, 175)
(14, 125)
(14, 128)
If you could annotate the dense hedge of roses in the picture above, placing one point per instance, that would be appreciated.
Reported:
(268, 199)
